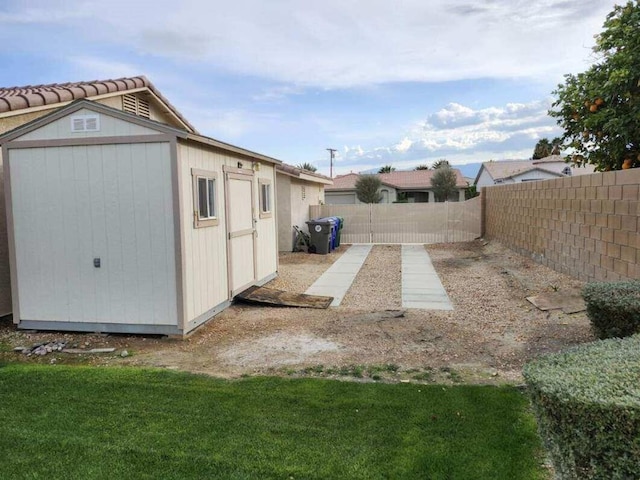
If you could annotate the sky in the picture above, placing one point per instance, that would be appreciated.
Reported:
(384, 82)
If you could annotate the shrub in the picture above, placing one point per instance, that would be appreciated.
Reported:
(613, 308)
(587, 401)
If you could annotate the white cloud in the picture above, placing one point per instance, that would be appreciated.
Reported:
(462, 134)
(92, 68)
(334, 43)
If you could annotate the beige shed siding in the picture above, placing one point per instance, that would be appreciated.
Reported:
(204, 249)
(5, 277)
(266, 248)
(73, 204)
(283, 210)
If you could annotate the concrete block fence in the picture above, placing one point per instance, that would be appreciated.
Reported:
(586, 226)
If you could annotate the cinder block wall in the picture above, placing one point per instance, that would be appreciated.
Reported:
(586, 226)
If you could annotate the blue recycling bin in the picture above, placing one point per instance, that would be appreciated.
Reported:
(335, 238)
(334, 224)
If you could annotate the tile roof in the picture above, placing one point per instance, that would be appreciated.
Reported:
(554, 164)
(297, 172)
(403, 180)
(20, 98)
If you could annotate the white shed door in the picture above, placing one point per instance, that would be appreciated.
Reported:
(241, 230)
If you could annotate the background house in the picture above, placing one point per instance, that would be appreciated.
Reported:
(296, 190)
(119, 223)
(414, 185)
(515, 171)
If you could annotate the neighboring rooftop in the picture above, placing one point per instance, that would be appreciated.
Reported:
(303, 174)
(32, 96)
(402, 180)
(554, 164)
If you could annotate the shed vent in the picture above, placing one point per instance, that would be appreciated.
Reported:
(85, 123)
(136, 105)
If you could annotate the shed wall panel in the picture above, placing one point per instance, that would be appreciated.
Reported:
(283, 209)
(266, 248)
(74, 204)
(5, 277)
(204, 249)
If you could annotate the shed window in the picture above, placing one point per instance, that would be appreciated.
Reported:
(265, 198)
(205, 203)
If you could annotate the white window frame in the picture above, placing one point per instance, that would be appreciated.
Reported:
(211, 218)
(266, 207)
(80, 123)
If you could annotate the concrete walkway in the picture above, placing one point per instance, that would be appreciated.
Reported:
(337, 279)
(421, 286)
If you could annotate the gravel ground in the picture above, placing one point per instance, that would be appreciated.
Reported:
(492, 331)
(378, 283)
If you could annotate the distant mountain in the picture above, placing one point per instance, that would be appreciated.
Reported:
(470, 169)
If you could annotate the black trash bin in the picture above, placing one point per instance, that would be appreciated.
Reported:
(320, 232)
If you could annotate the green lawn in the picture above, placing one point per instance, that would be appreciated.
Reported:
(83, 422)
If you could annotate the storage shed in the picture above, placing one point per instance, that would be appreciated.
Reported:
(117, 223)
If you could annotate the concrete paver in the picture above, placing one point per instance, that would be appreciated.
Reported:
(421, 286)
(337, 279)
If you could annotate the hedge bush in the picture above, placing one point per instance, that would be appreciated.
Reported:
(587, 402)
(613, 308)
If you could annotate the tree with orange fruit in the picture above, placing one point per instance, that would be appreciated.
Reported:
(599, 109)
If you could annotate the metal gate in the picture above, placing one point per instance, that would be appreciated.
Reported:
(406, 222)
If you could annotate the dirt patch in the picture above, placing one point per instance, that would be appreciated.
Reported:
(276, 350)
(492, 331)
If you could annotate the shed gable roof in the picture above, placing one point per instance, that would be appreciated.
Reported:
(16, 99)
(73, 107)
(160, 127)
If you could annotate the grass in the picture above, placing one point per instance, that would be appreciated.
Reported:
(83, 422)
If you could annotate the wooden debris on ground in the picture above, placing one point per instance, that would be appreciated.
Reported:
(568, 303)
(280, 298)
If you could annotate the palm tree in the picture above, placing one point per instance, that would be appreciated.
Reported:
(542, 149)
(443, 162)
(556, 145)
(422, 167)
(306, 166)
(386, 169)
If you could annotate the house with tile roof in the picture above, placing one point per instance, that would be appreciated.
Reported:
(414, 186)
(516, 171)
(296, 190)
(137, 95)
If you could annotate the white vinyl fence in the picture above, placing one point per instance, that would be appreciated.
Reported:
(406, 222)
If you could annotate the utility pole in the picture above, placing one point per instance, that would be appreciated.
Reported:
(332, 154)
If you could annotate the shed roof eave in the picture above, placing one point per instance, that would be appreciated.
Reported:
(230, 148)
